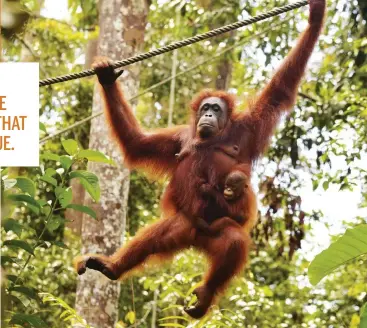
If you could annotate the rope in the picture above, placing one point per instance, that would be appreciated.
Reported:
(178, 44)
(154, 86)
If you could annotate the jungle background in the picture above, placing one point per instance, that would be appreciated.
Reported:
(312, 182)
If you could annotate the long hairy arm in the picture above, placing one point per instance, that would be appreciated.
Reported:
(280, 93)
(152, 151)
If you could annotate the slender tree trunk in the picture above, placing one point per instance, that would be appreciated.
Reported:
(122, 25)
(224, 76)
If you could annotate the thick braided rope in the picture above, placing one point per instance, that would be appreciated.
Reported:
(152, 87)
(179, 44)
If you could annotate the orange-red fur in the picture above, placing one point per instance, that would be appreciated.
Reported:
(197, 166)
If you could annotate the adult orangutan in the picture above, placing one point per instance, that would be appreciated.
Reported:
(219, 144)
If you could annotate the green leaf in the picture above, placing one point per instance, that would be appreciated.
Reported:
(130, 316)
(58, 191)
(5, 259)
(65, 197)
(29, 292)
(49, 180)
(174, 317)
(84, 209)
(59, 244)
(30, 201)
(363, 316)
(54, 222)
(13, 225)
(50, 172)
(171, 325)
(26, 185)
(43, 127)
(89, 181)
(42, 202)
(16, 243)
(66, 162)
(9, 183)
(51, 157)
(28, 319)
(70, 146)
(13, 278)
(95, 156)
(351, 245)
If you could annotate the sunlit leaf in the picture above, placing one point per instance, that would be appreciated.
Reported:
(348, 247)
(42, 127)
(70, 146)
(50, 156)
(89, 181)
(50, 172)
(130, 316)
(95, 156)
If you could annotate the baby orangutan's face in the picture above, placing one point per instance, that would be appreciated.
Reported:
(234, 185)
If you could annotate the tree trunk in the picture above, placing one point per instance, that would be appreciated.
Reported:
(224, 76)
(122, 25)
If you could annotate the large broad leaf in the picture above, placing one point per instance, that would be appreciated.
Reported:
(70, 146)
(89, 182)
(26, 185)
(84, 209)
(15, 243)
(27, 319)
(351, 245)
(95, 156)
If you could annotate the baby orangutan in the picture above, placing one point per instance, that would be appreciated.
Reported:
(235, 187)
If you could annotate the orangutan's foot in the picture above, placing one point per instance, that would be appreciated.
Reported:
(95, 263)
(205, 299)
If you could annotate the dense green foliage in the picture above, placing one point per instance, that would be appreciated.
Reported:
(321, 147)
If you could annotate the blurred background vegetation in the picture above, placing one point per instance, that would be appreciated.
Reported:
(319, 153)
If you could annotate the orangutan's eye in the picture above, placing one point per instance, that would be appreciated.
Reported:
(216, 108)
